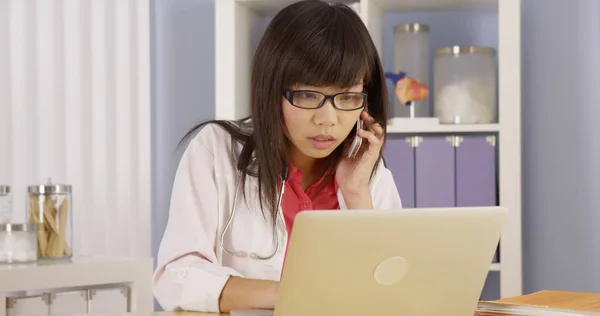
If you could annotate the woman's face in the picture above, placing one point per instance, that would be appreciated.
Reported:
(316, 133)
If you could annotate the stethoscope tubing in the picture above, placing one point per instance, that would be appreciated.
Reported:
(252, 255)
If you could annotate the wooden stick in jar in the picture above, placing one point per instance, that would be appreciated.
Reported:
(52, 230)
(49, 220)
(58, 236)
(63, 212)
(57, 243)
(35, 218)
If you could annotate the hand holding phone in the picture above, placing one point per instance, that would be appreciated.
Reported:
(354, 171)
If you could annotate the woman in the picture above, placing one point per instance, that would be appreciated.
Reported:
(316, 74)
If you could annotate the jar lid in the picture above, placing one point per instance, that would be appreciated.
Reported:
(49, 188)
(4, 189)
(412, 27)
(457, 50)
(20, 227)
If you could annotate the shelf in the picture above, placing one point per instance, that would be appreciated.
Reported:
(445, 128)
(495, 267)
(271, 7)
(437, 5)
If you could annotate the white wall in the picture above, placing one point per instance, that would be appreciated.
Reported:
(75, 107)
(561, 145)
(182, 91)
(182, 87)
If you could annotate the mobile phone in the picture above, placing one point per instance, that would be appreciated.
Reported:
(357, 141)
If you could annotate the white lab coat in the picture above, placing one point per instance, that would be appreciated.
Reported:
(192, 269)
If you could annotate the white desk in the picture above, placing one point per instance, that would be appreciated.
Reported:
(81, 286)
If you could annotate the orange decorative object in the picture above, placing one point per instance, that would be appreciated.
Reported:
(408, 89)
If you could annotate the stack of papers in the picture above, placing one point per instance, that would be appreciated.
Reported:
(543, 303)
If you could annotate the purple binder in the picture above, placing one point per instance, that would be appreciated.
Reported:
(476, 171)
(434, 161)
(400, 159)
(476, 180)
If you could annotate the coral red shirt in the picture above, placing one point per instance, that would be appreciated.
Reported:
(295, 199)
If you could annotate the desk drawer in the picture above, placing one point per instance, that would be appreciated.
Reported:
(98, 300)
(108, 300)
(27, 305)
(68, 303)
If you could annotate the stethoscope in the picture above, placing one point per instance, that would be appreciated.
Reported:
(253, 255)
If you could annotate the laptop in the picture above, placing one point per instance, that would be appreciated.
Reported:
(417, 262)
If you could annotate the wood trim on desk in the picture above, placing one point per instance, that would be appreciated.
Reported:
(152, 314)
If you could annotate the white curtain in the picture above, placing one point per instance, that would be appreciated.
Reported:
(75, 107)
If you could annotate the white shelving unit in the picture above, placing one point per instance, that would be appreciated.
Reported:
(445, 128)
(92, 285)
(240, 23)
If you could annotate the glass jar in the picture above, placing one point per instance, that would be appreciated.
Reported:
(18, 243)
(49, 206)
(411, 55)
(465, 85)
(5, 204)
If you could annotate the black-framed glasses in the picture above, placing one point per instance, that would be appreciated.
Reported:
(308, 99)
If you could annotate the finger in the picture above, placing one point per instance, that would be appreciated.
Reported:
(367, 118)
(371, 124)
(374, 142)
(369, 135)
(377, 129)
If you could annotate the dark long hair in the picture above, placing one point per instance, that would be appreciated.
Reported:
(309, 42)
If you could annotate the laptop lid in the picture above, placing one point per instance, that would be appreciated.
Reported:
(406, 262)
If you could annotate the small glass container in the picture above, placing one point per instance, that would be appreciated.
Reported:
(49, 206)
(5, 204)
(465, 85)
(18, 243)
(411, 55)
